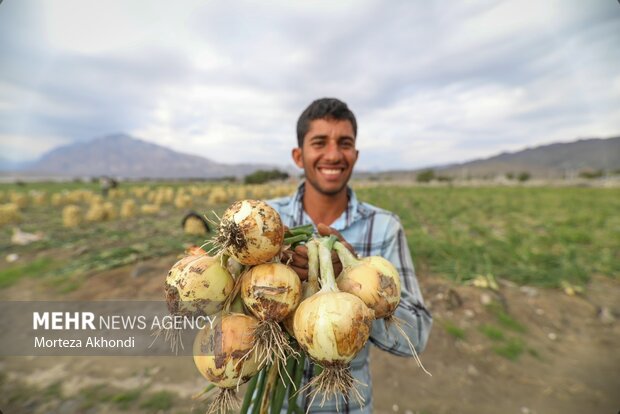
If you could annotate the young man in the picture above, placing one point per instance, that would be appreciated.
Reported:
(326, 136)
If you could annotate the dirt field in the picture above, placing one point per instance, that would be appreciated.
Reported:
(520, 350)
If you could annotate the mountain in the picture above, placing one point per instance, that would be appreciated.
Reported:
(558, 160)
(123, 156)
(550, 161)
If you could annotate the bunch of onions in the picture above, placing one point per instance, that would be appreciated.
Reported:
(224, 355)
(332, 327)
(375, 281)
(196, 285)
(271, 291)
(250, 237)
(251, 232)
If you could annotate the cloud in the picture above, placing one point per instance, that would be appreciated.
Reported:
(429, 82)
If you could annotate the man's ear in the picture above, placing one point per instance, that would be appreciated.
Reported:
(297, 157)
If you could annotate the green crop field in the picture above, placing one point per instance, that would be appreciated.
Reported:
(537, 236)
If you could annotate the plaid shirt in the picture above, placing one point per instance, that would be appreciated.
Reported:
(372, 232)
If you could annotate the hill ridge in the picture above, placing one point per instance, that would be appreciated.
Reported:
(122, 155)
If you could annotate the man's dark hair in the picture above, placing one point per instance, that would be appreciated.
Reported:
(324, 108)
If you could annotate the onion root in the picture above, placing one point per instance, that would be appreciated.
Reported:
(334, 380)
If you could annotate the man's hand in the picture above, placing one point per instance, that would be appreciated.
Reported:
(297, 259)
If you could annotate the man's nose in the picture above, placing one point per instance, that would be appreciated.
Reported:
(332, 152)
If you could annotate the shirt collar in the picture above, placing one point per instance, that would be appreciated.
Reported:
(352, 213)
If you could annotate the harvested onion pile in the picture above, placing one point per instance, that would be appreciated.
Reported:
(326, 319)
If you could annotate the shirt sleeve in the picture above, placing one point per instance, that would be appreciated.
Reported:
(414, 318)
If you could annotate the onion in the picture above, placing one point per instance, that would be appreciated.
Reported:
(332, 327)
(224, 356)
(195, 286)
(271, 291)
(200, 288)
(375, 281)
(251, 231)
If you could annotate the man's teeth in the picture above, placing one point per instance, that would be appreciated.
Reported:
(330, 171)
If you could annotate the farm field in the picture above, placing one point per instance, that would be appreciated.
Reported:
(522, 283)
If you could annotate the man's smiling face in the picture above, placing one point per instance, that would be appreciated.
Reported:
(328, 155)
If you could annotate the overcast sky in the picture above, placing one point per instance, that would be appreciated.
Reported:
(430, 82)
